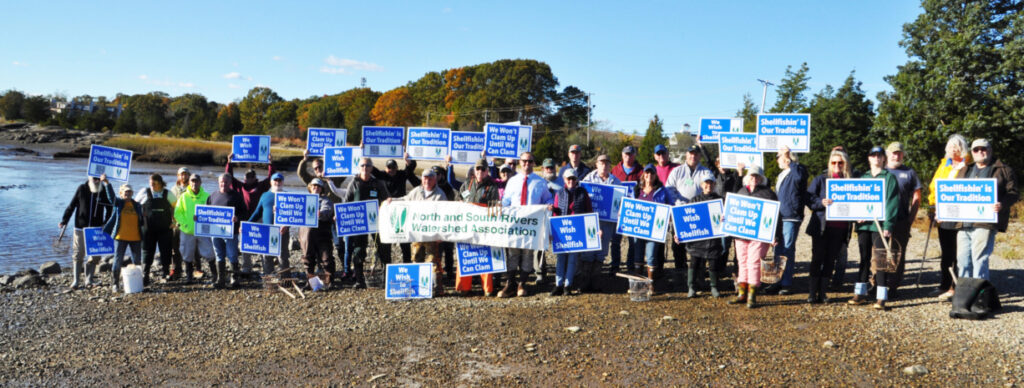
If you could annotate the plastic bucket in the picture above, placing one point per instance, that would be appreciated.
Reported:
(639, 290)
(131, 277)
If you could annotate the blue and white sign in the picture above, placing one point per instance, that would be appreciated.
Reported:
(294, 209)
(428, 143)
(575, 233)
(409, 281)
(605, 199)
(855, 199)
(630, 188)
(355, 218)
(750, 218)
(507, 140)
(642, 219)
(250, 149)
(710, 127)
(479, 259)
(466, 147)
(97, 243)
(792, 130)
(383, 142)
(319, 138)
(736, 148)
(260, 239)
(966, 200)
(114, 162)
(341, 161)
(215, 221)
(698, 221)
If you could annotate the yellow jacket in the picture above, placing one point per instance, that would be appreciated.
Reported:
(947, 170)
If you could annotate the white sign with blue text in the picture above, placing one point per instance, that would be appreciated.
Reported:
(260, 239)
(737, 148)
(605, 199)
(575, 233)
(855, 199)
(428, 143)
(698, 221)
(710, 127)
(97, 243)
(295, 209)
(409, 281)
(114, 162)
(507, 140)
(355, 218)
(215, 221)
(319, 138)
(966, 200)
(642, 219)
(750, 218)
(383, 142)
(341, 161)
(466, 147)
(792, 130)
(479, 259)
(250, 149)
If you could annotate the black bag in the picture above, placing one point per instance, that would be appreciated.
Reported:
(974, 299)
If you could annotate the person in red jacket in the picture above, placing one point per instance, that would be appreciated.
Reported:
(628, 170)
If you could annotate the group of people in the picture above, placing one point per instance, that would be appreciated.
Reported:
(162, 218)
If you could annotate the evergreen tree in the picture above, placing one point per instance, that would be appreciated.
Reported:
(652, 138)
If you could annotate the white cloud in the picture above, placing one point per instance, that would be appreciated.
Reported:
(233, 75)
(337, 65)
(277, 58)
(143, 77)
(17, 63)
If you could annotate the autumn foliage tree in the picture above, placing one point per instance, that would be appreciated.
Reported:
(396, 107)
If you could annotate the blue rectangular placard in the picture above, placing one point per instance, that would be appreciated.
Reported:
(605, 199)
(710, 127)
(215, 221)
(250, 149)
(479, 259)
(319, 138)
(383, 142)
(736, 148)
(114, 162)
(295, 209)
(966, 200)
(855, 199)
(575, 233)
(341, 161)
(750, 218)
(260, 239)
(428, 143)
(642, 219)
(466, 147)
(698, 221)
(409, 281)
(792, 130)
(507, 140)
(355, 218)
(97, 243)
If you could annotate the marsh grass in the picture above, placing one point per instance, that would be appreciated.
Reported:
(181, 151)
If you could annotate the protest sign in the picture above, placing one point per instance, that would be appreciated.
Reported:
(260, 239)
(319, 138)
(215, 221)
(97, 243)
(736, 148)
(295, 209)
(114, 162)
(642, 219)
(792, 130)
(698, 221)
(250, 149)
(575, 233)
(341, 161)
(855, 199)
(355, 218)
(750, 218)
(605, 199)
(524, 227)
(966, 200)
(383, 142)
(466, 147)
(409, 281)
(710, 127)
(479, 259)
(630, 187)
(428, 143)
(507, 140)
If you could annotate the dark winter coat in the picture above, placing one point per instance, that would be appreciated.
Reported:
(712, 247)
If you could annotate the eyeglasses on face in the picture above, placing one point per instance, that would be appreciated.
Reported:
(364, 165)
(979, 149)
(480, 168)
(837, 163)
(531, 161)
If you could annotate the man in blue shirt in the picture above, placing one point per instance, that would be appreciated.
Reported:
(525, 188)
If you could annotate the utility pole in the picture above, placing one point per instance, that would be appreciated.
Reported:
(765, 92)
(588, 119)
(427, 124)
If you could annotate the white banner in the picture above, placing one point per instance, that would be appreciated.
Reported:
(418, 221)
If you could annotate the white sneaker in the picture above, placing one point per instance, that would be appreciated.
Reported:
(946, 296)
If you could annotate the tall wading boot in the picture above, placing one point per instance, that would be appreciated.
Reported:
(654, 282)
(690, 273)
(218, 276)
(145, 273)
(741, 294)
(189, 277)
(713, 280)
(235, 274)
(90, 268)
(76, 267)
(751, 297)
(812, 291)
(822, 289)
(358, 273)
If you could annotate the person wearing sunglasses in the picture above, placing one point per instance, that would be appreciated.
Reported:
(974, 241)
(828, 238)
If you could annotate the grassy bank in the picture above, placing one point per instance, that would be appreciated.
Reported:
(186, 151)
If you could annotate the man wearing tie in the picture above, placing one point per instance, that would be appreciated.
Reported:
(525, 188)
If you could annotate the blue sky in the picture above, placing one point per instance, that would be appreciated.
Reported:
(679, 59)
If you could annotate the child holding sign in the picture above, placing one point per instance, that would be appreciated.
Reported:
(704, 251)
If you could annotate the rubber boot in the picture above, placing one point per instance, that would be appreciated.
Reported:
(651, 274)
(76, 267)
(741, 294)
(812, 291)
(189, 270)
(218, 276)
(713, 280)
(145, 273)
(235, 274)
(690, 273)
(358, 273)
(268, 265)
(751, 297)
(822, 287)
(90, 268)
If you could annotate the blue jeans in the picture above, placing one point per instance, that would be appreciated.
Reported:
(226, 247)
(973, 247)
(649, 250)
(565, 268)
(119, 248)
(790, 230)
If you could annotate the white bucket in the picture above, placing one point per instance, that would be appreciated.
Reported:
(131, 277)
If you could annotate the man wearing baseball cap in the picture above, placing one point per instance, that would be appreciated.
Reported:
(251, 190)
(395, 180)
(974, 241)
(628, 170)
(910, 200)
(575, 162)
(683, 184)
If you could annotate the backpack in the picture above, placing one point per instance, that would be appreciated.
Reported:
(974, 299)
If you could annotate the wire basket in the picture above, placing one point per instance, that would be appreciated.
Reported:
(772, 267)
(886, 260)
